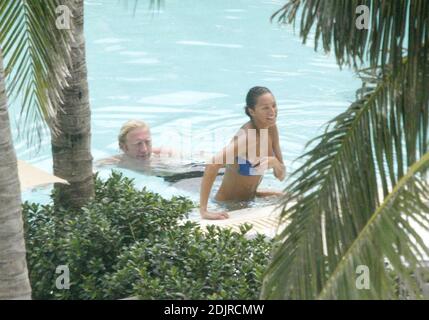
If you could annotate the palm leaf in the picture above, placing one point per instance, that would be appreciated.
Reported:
(390, 236)
(37, 57)
(154, 5)
(356, 164)
(397, 29)
(348, 192)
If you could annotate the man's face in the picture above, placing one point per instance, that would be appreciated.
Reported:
(138, 144)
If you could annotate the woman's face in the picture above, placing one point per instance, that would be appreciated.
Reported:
(265, 111)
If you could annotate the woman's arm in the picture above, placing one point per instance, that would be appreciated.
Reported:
(209, 177)
(275, 162)
(270, 163)
(276, 143)
(210, 174)
(280, 168)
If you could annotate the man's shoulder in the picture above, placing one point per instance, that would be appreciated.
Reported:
(109, 161)
(163, 152)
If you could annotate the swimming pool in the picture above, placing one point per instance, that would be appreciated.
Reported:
(186, 71)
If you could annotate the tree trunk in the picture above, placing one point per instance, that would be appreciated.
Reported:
(14, 282)
(71, 147)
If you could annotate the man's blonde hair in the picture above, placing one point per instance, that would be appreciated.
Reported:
(127, 127)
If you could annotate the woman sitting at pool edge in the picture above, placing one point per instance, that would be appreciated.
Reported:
(254, 149)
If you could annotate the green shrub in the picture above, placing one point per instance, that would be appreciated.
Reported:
(129, 242)
(189, 264)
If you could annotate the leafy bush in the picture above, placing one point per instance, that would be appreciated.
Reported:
(129, 242)
(190, 264)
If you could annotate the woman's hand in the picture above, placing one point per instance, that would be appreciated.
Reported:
(266, 163)
(280, 170)
(214, 215)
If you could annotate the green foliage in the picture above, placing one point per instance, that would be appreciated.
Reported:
(37, 57)
(128, 242)
(193, 265)
(361, 194)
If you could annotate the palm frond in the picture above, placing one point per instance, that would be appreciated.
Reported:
(37, 56)
(348, 189)
(154, 5)
(397, 29)
(357, 162)
(389, 236)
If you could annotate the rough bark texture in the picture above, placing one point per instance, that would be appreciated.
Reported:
(71, 148)
(14, 281)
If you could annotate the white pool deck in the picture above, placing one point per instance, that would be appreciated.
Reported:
(265, 220)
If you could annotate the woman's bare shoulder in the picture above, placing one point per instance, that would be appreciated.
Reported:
(240, 135)
(244, 129)
(248, 125)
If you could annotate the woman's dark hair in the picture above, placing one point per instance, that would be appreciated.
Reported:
(252, 98)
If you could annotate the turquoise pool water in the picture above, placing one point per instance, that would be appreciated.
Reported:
(186, 71)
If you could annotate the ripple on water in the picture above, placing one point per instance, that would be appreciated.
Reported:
(110, 40)
(209, 44)
(181, 98)
(143, 61)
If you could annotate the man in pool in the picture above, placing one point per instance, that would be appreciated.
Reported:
(135, 141)
(254, 149)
